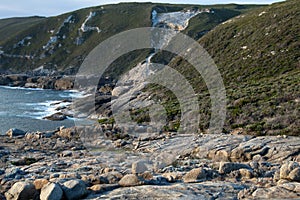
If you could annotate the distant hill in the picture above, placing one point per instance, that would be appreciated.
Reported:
(14, 26)
(61, 43)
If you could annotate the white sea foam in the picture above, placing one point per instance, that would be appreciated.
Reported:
(21, 88)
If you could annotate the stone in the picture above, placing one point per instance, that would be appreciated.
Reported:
(195, 175)
(147, 175)
(40, 183)
(130, 180)
(246, 173)
(21, 190)
(56, 117)
(74, 189)
(172, 177)
(112, 177)
(66, 153)
(31, 136)
(66, 133)
(51, 191)
(290, 168)
(99, 188)
(13, 132)
(139, 167)
(227, 167)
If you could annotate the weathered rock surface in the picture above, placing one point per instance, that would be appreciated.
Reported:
(227, 167)
(40, 183)
(130, 180)
(51, 191)
(139, 167)
(195, 175)
(74, 189)
(290, 171)
(197, 191)
(20, 191)
(156, 166)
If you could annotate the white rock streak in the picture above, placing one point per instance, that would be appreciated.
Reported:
(175, 20)
(84, 28)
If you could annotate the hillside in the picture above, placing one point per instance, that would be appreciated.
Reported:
(258, 55)
(61, 43)
(14, 26)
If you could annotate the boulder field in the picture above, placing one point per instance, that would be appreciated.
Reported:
(68, 164)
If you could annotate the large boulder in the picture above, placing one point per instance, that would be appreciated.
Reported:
(130, 180)
(21, 191)
(51, 191)
(13, 132)
(74, 189)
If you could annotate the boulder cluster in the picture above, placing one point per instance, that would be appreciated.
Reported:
(60, 164)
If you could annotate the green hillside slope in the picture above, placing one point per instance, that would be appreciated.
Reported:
(61, 43)
(14, 26)
(258, 55)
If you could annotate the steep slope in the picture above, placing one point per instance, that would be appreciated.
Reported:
(61, 43)
(258, 55)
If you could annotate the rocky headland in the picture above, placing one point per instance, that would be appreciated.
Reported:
(68, 164)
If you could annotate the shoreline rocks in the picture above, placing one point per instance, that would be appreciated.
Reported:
(59, 165)
(43, 82)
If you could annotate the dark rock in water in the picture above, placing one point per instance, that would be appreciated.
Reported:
(13, 132)
(56, 117)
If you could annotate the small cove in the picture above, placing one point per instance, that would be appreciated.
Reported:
(25, 108)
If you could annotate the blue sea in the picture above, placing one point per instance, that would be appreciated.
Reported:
(25, 108)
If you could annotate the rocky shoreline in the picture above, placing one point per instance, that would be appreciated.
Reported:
(44, 82)
(62, 164)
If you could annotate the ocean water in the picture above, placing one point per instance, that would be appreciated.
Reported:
(25, 108)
